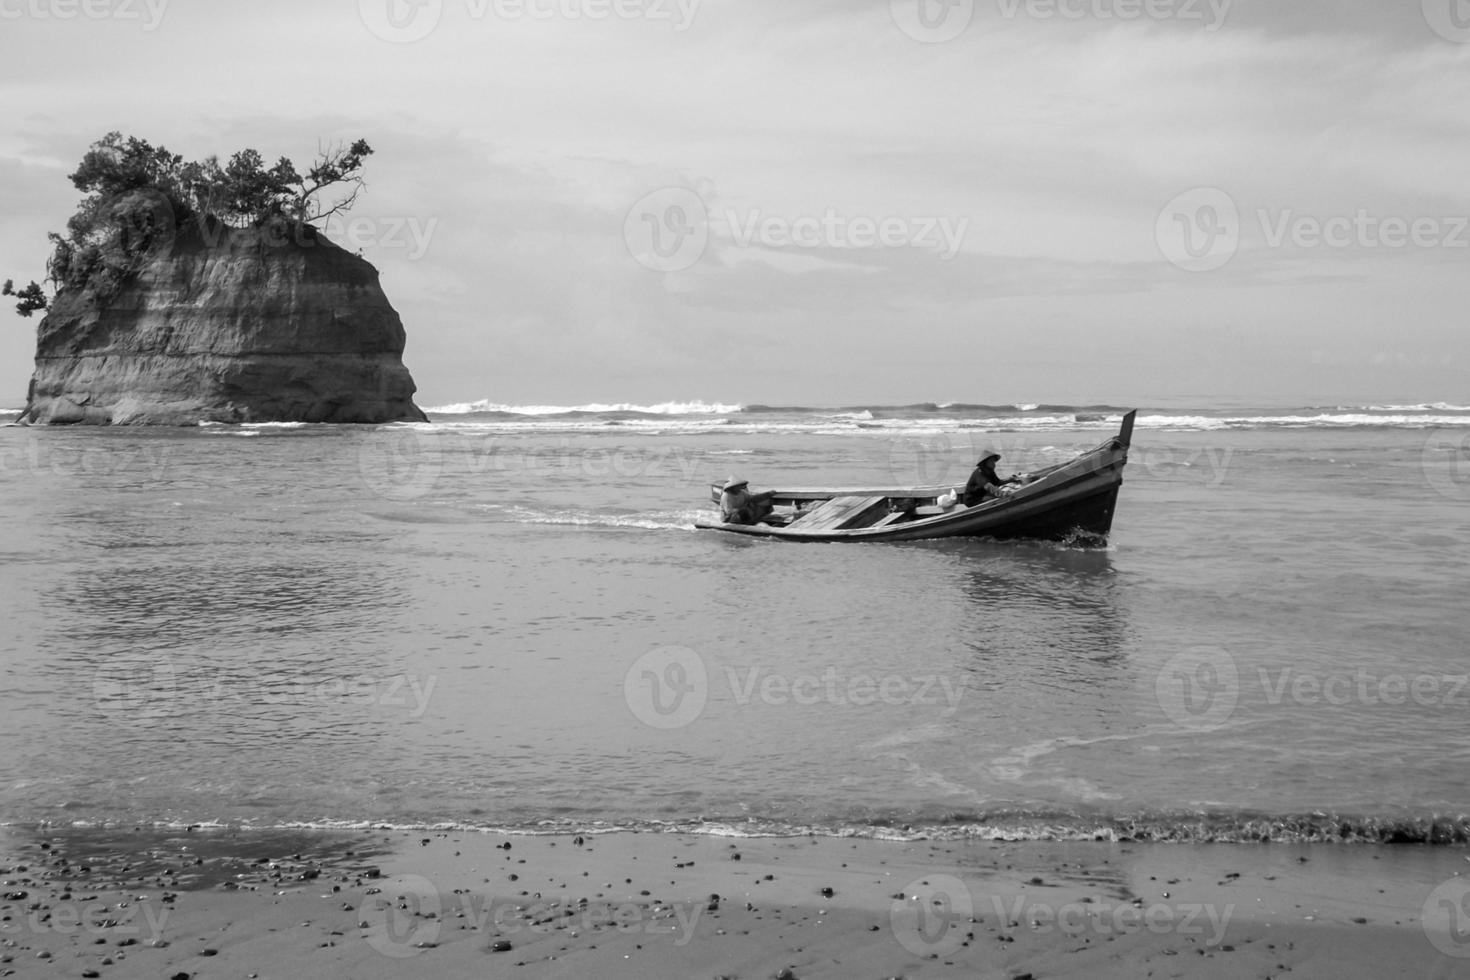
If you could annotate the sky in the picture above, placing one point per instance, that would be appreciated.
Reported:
(1151, 202)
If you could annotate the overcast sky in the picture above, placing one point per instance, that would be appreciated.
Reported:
(1127, 201)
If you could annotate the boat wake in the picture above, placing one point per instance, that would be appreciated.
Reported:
(679, 520)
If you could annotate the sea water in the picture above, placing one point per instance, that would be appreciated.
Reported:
(505, 618)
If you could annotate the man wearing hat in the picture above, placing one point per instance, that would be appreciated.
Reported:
(739, 506)
(984, 482)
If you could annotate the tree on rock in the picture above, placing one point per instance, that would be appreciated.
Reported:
(31, 297)
(138, 195)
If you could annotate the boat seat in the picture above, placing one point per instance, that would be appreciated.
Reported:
(838, 513)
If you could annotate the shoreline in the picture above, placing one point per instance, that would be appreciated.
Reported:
(148, 903)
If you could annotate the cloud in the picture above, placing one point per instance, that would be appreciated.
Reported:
(517, 146)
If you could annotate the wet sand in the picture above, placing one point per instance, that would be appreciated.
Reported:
(388, 903)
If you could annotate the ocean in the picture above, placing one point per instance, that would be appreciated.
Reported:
(505, 619)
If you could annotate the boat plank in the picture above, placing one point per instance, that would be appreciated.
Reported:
(834, 513)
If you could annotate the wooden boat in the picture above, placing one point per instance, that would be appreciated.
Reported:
(1072, 501)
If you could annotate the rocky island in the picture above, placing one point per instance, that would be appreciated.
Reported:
(188, 293)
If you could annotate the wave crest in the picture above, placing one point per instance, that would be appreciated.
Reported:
(487, 407)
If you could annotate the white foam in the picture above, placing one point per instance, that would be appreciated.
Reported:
(660, 408)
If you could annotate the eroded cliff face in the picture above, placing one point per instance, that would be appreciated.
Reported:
(220, 324)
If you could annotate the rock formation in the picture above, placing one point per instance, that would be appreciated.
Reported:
(212, 323)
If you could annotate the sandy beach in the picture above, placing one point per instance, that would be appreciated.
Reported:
(213, 903)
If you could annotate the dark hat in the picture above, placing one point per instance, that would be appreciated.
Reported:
(734, 484)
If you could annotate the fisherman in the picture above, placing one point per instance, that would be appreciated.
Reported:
(739, 506)
(985, 483)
